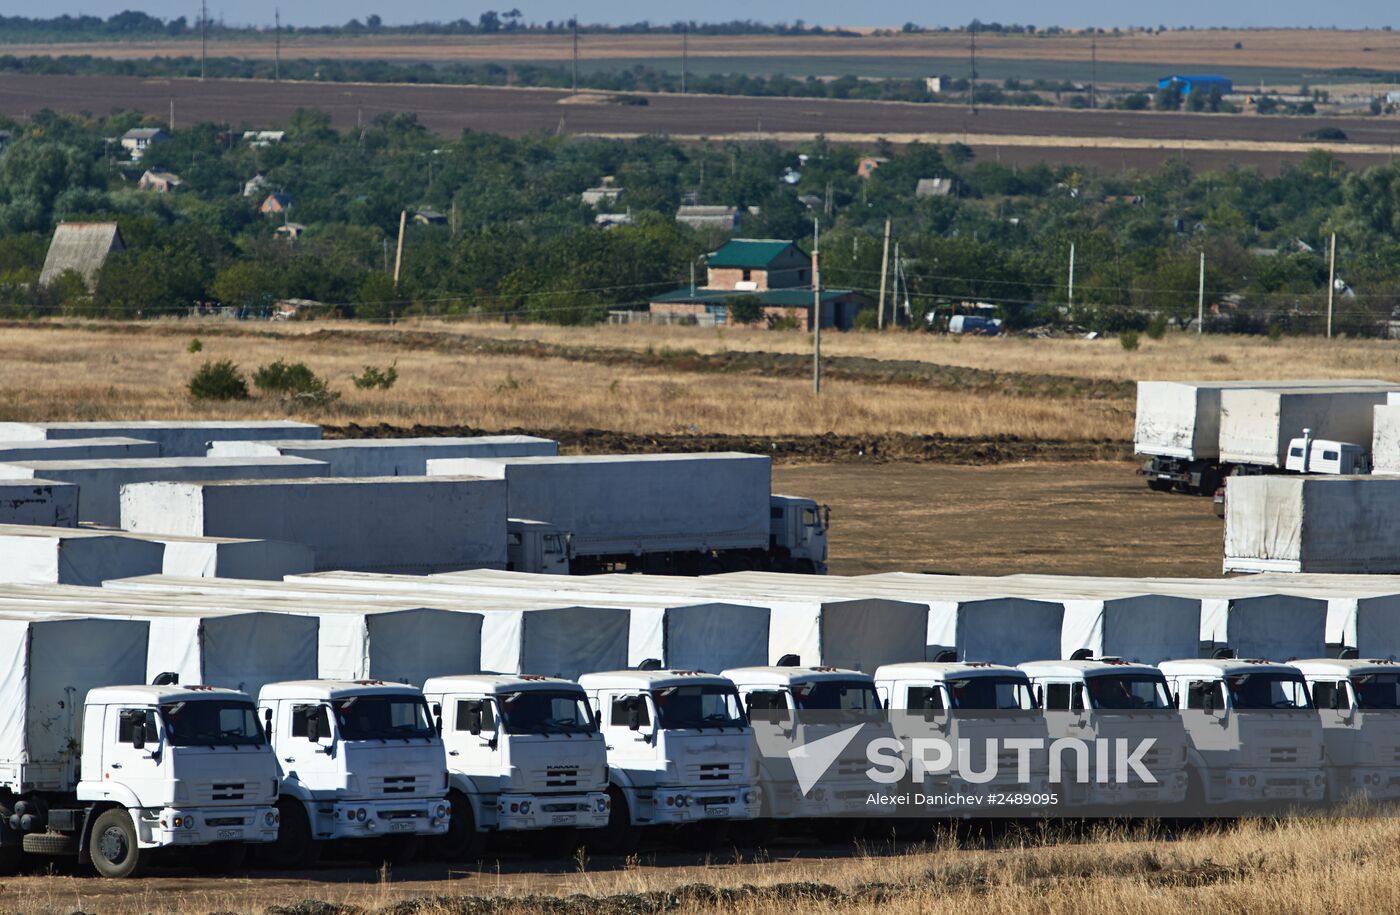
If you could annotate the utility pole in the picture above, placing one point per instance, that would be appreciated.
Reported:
(277, 60)
(816, 308)
(172, 114)
(398, 255)
(1331, 282)
(575, 92)
(203, 35)
(894, 303)
(1094, 71)
(884, 269)
(972, 68)
(1201, 299)
(685, 52)
(1070, 300)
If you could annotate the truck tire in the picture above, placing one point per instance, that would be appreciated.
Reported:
(704, 836)
(1157, 485)
(294, 847)
(462, 843)
(222, 858)
(619, 837)
(399, 849)
(113, 847)
(11, 854)
(50, 843)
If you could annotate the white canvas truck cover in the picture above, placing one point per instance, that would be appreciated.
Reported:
(100, 481)
(1385, 438)
(1148, 628)
(1312, 524)
(392, 524)
(77, 449)
(637, 503)
(560, 642)
(241, 651)
(1276, 626)
(47, 667)
(1256, 424)
(73, 556)
(39, 502)
(711, 636)
(223, 557)
(401, 646)
(1181, 419)
(391, 457)
(175, 438)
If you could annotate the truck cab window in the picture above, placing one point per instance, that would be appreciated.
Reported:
(133, 721)
(1198, 690)
(622, 706)
(1057, 697)
(466, 714)
(925, 698)
(301, 714)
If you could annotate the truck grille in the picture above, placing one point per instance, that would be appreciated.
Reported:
(394, 784)
(1283, 755)
(225, 821)
(714, 772)
(560, 777)
(401, 814)
(220, 791)
(564, 807)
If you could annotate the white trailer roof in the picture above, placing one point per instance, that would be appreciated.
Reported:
(77, 449)
(47, 667)
(63, 555)
(388, 457)
(176, 438)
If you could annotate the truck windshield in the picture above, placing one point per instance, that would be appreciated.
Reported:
(211, 723)
(988, 694)
(1127, 692)
(1377, 691)
(382, 718)
(1267, 691)
(836, 695)
(539, 711)
(680, 707)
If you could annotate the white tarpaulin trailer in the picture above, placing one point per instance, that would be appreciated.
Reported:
(712, 636)
(39, 502)
(100, 481)
(225, 557)
(1256, 424)
(1312, 524)
(176, 438)
(391, 457)
(242, 651)
(632, 504)
(47, 667)
(1385, 438)
(1147, 628)
(393, 524)
(73, 556)
(77, 449)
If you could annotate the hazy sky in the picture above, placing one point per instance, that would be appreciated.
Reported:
(1347, 14)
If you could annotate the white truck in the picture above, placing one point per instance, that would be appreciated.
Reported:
(524, 755)
(1359, 704)
(680, 754)
(679, 514)
(1312, 524)
(358, 760)
(967, 701)
(1254, 735)
(96, 770)
(791, 707)
(1107, 699)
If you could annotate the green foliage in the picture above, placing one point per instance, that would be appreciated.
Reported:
(196, 346)
(1156, 327)
(221, 380)
(290, 379)
(372, 378)
(1128, 339)
(1275, 333)
(745, 309)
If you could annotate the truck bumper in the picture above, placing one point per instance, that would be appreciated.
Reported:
(1170, 789)
(679, 806)
(518, 812)
(193, 826)
(370, 819)
(1378, 783)
(1244, 786)
(832, 800)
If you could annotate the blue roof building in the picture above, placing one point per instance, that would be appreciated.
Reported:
(1189, 84)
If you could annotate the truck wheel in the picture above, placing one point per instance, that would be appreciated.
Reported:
(619, 837)
(462, 842)
(221, 858)
(294, 847)
(50, 843)
(113, 847)
(399, 849)
(11, 857)
(1157, 485)
(704, 836)
(555, 843)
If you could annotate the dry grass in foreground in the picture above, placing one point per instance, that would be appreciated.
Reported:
(1258, 867)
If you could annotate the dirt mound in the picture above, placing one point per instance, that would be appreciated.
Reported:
(826, 448)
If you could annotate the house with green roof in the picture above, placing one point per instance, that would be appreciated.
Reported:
(775, 275)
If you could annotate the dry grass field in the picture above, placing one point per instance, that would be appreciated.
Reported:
(1322, 49)
(1257, 867)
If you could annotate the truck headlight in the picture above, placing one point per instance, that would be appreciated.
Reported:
(189, 822)
(600, 804)
(525, 808)
(360, 814)
(270, 818)
(440, 811)
(749, 796)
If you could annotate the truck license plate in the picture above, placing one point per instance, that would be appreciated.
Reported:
(230, 834)
(716, 811)
(561, 818)
(400, 827)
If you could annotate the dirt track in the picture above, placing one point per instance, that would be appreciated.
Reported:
(451, 109)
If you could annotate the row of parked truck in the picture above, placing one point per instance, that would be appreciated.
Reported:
(271, 718)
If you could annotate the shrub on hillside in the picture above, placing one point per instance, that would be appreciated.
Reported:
(220, 380)
(373, 377)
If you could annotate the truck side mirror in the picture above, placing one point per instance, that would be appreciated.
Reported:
(1339, 698)
(1208, 702)
(138, 737)
(634, 717)
(474, 721)
(437, 718)
(313, 728)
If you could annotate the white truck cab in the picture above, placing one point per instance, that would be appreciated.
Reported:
(972, 701)
(680, 749)
(1310, 455)
(1108, 699)
(162, 767)
(795, 706)
(1254, 736)
(535, 546)
(1359, 704)
(358, 759)
(523, 754)
(798, 529)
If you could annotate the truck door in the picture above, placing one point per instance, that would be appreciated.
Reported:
(135, 752)
(630, 725)
(306, 744)
(471, 739)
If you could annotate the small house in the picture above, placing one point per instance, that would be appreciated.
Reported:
(301, 310)
(160, 182)
(276, 202)
(757, 264)
(139, 139)
(82, 247)
(263, 137)
(709, 217)
(255, 185)
(867, 166)
(933, 187)
(429, 218)
(606, 193)
(290, 231)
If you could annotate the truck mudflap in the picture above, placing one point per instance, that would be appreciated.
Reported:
(372, 819)
(193, 826)
(518, 812)
(678, 806)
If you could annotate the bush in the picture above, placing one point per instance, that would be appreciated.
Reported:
(1157, 327)
(866, 319)
(220, 380)
(294, 380)
(746, 309)
(1275, 333)
(372, 378)
(1128, 339)
(196, 345)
